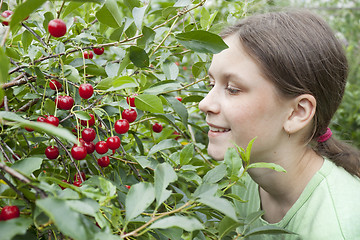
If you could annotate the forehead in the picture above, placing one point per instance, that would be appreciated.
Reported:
(234, 61)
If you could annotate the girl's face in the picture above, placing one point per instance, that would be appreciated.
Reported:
(242, 105)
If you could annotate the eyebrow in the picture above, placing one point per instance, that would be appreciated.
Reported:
(227, 76)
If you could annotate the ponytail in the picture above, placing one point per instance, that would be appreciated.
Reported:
(341, 153)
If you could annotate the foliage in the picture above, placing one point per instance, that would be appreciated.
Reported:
(159, 185)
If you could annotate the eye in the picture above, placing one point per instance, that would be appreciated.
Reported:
(232, 90)
(210, 85)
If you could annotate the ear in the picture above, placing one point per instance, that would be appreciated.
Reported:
(301, 113)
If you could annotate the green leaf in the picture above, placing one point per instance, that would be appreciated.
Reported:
(140, 196)
(85, 206)
(28, 165)
(226, 226)
(80, 227)
(179, 108)
(82, 115)
(187, 223)
(163, 145)
(164, 175)
(139, 57)
(201, 41)
(192, 98)
(116, 83)
(171, 70)
(26, 39)
(273, 166)
(205, 17)
(198, 68)
(162, 86)
(49, 106)
(248, 150)
(23, 10)
(13, 227)
(215, 174)
(39, 126)
(220, 204)
(110, 14)
(267, 230)
(71, 7)
(150, 103)
(205, 190)
(233, 161)
(187, 154)
(4, 68)
(138, 14)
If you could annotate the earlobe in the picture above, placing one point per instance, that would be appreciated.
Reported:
(301, 115)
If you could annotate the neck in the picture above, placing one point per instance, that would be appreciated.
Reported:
(279, 191)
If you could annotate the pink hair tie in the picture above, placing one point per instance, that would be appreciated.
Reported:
(325, 136)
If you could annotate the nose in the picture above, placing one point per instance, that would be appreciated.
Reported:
(211, 103)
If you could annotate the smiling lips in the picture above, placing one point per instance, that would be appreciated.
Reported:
(217, 129)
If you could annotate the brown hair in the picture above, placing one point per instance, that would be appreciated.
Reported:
(300, 54)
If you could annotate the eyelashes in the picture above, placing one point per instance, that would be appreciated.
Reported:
(229, 89)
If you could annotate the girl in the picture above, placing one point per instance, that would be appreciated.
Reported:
(281, 80)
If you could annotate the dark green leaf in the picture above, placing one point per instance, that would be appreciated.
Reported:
(23, 10)
(4, 68)
(139, 57)
(215, 174)
(180, 109)
(233, 161)
(220, 204)
(164, 175)
(187, 154)
(109, 14)
(227, 225)
(82, 115)
(202, 41)
(192, 98)
(163, 145)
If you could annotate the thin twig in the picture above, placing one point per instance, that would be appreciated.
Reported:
(35, 34)
(14, 188)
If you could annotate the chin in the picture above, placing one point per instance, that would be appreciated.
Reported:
(217, 155)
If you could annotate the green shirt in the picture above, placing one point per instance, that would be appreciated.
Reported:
(328, 208)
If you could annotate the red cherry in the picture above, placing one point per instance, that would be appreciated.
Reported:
(129, 114)
(131, 100)
(52, 120)
(77, 177)
(104, 161)
(29, 129)
(6, 14)
(179, 98)
(157, 127)
(91, 121)
(16, 156)
(52, 152)
(9, 212)
(101, 147)
(178, 135)
(41, 119)
(88, 134)
(113, 142)
(127, 186)
(90, 147)
(65, 181)
(86, 90)
(64, 102)
(57, 28)
(77, 183)
(184, 68)
(177, 63)
(88, 55)
(54, 84)
(121, 126)
(98, 51)
(78, 152)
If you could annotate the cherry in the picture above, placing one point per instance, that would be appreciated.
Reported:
(41, 119)
(121, 126)
(6, 14)
(113, 142)
(9, 212)
(88, 55)
(101, 147)
(127, 186)
(57, 28)
(64, 102)
(86, 90)
(77, 177)
(52, 152)
(104, 161)
(52, 120)
(29, 129)
(98, 51)
(65, 181)
(131, 100)
(54, 84)
(77, 183)
(179, 98)
(88, 134)
(91, 121)
(129, 114)
(177, 63)
(16, 156)
(90, 147)
(177, 135)
(157, 127)
(78, 152)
